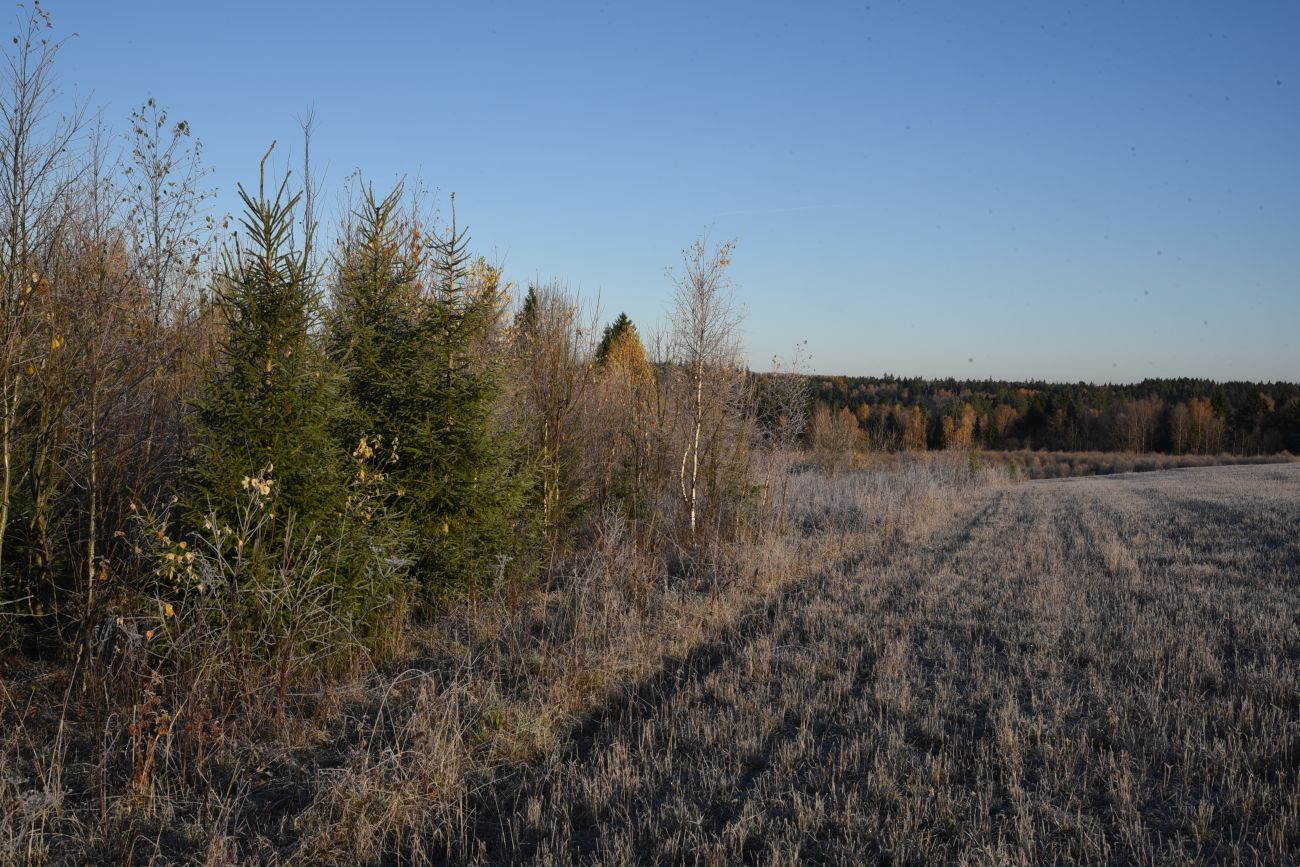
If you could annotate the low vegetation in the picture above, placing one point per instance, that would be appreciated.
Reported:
(1055, 465)
(211, 756)
(354, 552)
(1091, 671)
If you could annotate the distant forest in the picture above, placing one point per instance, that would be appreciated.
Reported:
(1178, 416)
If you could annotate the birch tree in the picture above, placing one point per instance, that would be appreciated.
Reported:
(706, 348)
(36, 175)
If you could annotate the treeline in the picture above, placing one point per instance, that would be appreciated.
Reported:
(1176, 416)
(291, 445)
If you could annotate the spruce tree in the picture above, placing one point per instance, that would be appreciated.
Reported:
(269, 404)
(614, 333)
(376, 337)
(423, 374)
(470, 486)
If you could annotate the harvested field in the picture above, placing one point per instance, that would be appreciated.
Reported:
(1097, 670)
(1056, 465)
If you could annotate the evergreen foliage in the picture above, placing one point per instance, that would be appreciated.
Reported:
(269, 406)
(375, 336)
(615, 332)
(282, 508)
(526, 319)
(1247, 418)
(423, 376)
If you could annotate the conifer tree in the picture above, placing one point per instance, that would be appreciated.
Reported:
(376, 335)
(466, 486)
(269, 405)
(614, 333)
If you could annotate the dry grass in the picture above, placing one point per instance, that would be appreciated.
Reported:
(906, 665)
(1056, 465)
(1083, 671)
(204, 764)
(530, 679)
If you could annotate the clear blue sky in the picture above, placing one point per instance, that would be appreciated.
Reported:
(1101, 191)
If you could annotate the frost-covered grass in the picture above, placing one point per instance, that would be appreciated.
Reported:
(1101, 670)
(908, 664)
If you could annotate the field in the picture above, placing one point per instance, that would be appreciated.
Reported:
(911, 665)
(1098, 670)
(1055, 465)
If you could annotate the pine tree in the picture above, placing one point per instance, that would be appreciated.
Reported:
(269, 405)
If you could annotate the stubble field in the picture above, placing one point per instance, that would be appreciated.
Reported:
(1096, 670)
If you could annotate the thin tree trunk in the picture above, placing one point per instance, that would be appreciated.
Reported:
(94, 506)
(6, 487)
(695, 446)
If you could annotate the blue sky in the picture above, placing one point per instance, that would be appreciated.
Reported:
(1061, 191)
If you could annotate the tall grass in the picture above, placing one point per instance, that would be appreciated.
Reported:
(177, 740)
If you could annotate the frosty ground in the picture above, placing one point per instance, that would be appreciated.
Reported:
(1099, 670)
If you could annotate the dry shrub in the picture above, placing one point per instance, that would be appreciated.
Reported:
(153, 743)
